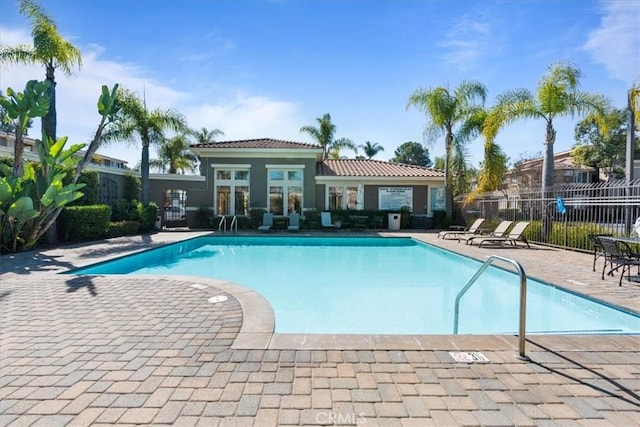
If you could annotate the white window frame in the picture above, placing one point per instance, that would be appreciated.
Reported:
(285, 183)
(345, 198)
(231, 183)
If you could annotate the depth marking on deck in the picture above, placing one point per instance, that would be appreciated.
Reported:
(468, 356)
(575, 282)
(218, 298)
(199, 286)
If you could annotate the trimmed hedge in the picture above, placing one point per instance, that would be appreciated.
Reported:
(123, 228)
(81, 223)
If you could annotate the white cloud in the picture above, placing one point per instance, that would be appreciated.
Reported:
(246, 116)
(616, 43)
(240, 116)
(467, 41)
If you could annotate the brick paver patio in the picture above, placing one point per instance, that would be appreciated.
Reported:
(156, 350)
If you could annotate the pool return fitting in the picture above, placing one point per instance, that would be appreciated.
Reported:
(523, 299)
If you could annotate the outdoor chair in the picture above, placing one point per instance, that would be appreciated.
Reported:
(267, 222)
(458, 230)
(500, 231)
(598, 250)
(325, 221)
(294, 222)
(618, 255)
(516, 233)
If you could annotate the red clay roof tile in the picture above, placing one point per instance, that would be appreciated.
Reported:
(374, 168)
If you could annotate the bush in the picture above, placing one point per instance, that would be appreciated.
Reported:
(203, 218)
(81, 223)
(124, 210)
(132, 187)
(123, 228)
(147, 215)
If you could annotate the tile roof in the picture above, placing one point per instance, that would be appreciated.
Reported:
(374, 168)
(258, 143)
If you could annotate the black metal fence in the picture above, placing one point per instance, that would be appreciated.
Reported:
(602, 208)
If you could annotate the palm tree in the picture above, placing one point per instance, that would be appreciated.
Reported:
(204, 135)
(371, 149)
(137, 120)
(449, 113)
(174, 153)
(324, 136)
(557, 96)
(49, 49)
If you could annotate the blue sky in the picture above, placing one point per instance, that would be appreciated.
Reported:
(266, 68)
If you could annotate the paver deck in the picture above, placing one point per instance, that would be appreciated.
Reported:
(130, 350)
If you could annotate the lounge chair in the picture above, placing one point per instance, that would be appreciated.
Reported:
(516, 233)
(618, 255)
(294, 222)
(500, 231)
(457, 230)
(325, 220)
(267, 222)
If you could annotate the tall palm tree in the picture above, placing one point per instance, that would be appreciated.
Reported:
(448, 112)
(137, 120)
(371, 149)
(49, 49)
(557, 95)
(204, 135)
(174, 153)
(324, 136)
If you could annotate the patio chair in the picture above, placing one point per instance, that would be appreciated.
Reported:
(598, 250)
(267, 222)
(619, 256)
(458, 230)
(325, 221)
(516, 233)
(500, 231)
(294, 222)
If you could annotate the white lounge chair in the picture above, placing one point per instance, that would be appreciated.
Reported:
(500, 231)
(325, 221)
(516, 233)
(294, 222)
(267, 222)
(458, 231)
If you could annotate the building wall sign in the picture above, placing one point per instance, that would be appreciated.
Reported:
(394, 198)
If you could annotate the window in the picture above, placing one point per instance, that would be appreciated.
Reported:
(437, 199)
(342, 197)
(231, 191)
(285, 191)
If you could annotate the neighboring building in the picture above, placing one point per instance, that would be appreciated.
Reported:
(528, 174)
(111, 170)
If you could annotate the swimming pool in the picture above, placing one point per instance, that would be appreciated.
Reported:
(374, 285)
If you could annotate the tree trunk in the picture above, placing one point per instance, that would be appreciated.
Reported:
(548, 177)
(144, 172)
(448, 197)
(49, 122)
(18, 151)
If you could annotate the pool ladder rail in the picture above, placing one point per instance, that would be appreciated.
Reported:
(222, 226)
(523, 299)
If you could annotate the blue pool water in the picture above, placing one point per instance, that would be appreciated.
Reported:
(372, 285)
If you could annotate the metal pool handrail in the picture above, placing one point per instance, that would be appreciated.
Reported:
(523, 298)
(222, 226)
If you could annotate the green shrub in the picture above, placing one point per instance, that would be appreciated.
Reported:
(123, 228)
(124, 210)
(203, 218)
(132, 187)
(571, 235)
(81, 223)
(147, 215)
